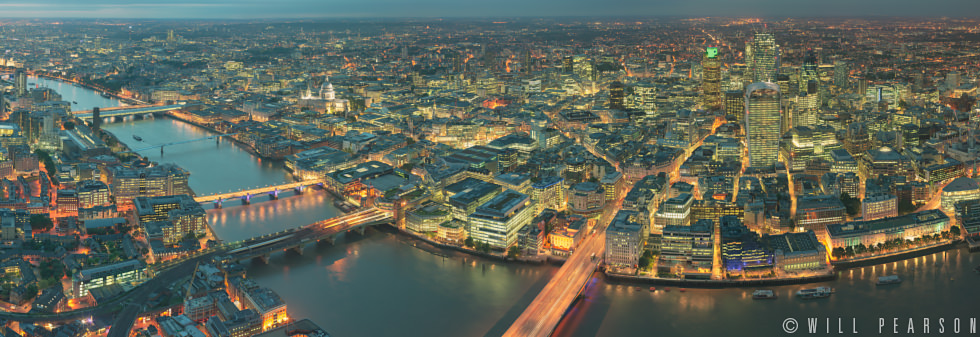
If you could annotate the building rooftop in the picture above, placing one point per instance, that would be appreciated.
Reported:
(962, 184)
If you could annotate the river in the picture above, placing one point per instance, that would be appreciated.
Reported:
(380, 284)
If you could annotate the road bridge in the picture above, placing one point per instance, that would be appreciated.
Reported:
(246, 195)
(111, 114)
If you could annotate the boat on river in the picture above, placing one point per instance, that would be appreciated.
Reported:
(138, 138)
(818, 292)
(763, 294)
(890, 279)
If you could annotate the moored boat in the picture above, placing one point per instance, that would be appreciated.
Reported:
(890, 279)
(138, 138)
(763, 294)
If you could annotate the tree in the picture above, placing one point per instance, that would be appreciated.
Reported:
(41, 223)
(513, 252)
(468, 242)
(838, 253)
(955, 230)
(852, 205)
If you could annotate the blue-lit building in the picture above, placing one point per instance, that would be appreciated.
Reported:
(742, 252)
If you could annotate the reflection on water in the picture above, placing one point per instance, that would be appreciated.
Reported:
(86, 98)
(937, 285)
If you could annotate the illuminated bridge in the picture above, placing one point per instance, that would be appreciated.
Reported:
(246, 195)
(542, 316)
(296, 239)
(111, 114)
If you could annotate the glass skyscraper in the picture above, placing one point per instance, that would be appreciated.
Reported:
(764, 58)
(762, 123)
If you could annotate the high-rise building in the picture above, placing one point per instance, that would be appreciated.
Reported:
(735, 104)
(762, 123)
(711, 79)
(808, 73)
(617, 96)
(96, 119)
(764, 59)
(842, 73)
(20, 83)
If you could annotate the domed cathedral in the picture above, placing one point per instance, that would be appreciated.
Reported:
(324, 99)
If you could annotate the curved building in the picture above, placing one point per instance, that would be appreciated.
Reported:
(762, 123)
(960, 189)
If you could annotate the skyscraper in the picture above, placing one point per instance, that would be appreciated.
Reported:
(762, 123)
(808, 73)
(20, 83)
(842, 72)
(735, 104)
(711, 79)
(617, 96)
(96, 119)
(764, 59)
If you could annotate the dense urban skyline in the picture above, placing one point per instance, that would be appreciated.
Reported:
(254, 9)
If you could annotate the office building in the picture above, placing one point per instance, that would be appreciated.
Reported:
(126, 272)
(675, 211)
(874, 232)
(878, 206)
(960, 189)
(764, 58)
(624, 240)
(161, 180)
(815, 212)
(497, 221)
(711, 79)
(762, 123)
(688, 250)
(795, 252)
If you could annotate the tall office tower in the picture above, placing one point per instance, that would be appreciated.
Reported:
(617, 96)
(762, 123)
(953, 79)
(170, 35)
(20, 83)
(568, 64)
(96, 119)
(711, 79)
(764, 62)
(735, 104)
(808, 73)
(526, 64)
(842, 73)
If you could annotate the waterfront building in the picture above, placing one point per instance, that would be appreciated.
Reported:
(565, 235)
(688, 250)
(171, 218)
(530, 239)
(427, 217)
(497, 221)
(960, 189)
(742, 251)
(161, 180)
(872, 232)
(126, 272)
(796, 251)
(465, 196)
(624, 240)
(968, 218)
(763, 112)
(878, 206)
(452, 232)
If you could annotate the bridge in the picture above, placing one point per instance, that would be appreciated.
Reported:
(161, 146)
(246, 195)
(542, 316)
(110, 114)
(296, 239)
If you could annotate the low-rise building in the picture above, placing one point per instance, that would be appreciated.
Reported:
(688, 250)
(796, 251)
(126, 272)
(879, 206)
(872, 232)
(624, 240)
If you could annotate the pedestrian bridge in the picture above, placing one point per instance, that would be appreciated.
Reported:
(246, 195)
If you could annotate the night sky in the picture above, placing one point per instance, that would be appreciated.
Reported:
(273, 9)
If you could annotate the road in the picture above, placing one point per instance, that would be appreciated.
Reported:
(545, 312)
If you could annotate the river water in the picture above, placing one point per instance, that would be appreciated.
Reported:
(381, 284)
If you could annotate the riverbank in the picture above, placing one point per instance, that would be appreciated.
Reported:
(898, 256)
(243, 145)
(541, 259)
(717, 283)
